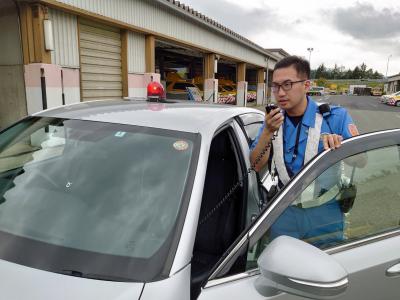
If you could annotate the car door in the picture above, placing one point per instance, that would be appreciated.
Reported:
(250, 124)
(367, 242)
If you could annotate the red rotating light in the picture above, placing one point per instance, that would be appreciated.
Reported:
(155, 90)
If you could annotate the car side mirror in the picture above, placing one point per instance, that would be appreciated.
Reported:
(293, 266)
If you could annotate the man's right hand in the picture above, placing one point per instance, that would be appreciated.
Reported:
(274, 120)
(261, 152)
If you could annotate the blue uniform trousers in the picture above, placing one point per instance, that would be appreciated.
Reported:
(319, 225)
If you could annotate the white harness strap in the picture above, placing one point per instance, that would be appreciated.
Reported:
(311, 148)
(277, 158)
(313, 139)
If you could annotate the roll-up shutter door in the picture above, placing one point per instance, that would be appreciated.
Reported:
(100, 59)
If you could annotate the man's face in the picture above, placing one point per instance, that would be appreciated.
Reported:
(293, 98)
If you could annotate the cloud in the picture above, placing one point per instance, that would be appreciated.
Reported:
(246, 22)
(364, 22)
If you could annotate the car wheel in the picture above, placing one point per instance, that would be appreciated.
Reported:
(397, 103)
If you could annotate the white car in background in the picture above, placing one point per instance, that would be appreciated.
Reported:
(385, 98)
(316, 91)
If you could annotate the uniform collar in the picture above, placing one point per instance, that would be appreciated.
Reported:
(308, 120)
(309, 115)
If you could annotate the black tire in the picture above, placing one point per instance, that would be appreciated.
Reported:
(397, 103)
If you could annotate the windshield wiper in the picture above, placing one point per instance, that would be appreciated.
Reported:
(104, 277)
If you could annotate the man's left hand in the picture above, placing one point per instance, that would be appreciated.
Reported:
(331, 141)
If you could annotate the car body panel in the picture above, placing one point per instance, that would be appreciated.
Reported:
(177, 287)
(20, 282)
(367, 263)
(183, 116)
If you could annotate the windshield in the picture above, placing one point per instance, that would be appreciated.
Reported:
(93, 197)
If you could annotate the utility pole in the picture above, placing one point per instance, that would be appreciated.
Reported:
(309, 57)
(387, 66)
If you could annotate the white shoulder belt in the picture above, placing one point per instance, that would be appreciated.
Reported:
(311, 148)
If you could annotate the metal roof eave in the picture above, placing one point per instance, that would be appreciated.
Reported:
(231, 34)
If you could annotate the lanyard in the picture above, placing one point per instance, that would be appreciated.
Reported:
(296, 146)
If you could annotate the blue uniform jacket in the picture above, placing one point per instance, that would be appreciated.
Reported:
(339, 121)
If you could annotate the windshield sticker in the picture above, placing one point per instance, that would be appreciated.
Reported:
(181, 145)
(120, 134)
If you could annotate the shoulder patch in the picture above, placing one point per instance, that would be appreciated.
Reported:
(353, 130)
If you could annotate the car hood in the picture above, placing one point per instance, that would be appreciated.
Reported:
(20, 282)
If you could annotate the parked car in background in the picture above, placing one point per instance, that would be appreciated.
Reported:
(376, 91)
(394, 101)
(316, 91)
(385, 98)
(333, 92)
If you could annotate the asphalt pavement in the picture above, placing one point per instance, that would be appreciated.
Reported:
(368, 113)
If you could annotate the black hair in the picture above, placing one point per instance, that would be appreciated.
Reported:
(301, 65)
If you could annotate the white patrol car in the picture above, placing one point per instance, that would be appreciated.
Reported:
(118, 200)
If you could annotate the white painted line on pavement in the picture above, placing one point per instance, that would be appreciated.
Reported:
(398, 115)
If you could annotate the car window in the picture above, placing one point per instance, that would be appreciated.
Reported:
(356, 198)
(251, 124)
(223, 206)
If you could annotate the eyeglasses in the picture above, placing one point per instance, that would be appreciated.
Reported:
(286, 86)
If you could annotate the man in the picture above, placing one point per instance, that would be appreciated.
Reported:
(292, 135)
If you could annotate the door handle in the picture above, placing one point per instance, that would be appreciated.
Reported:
(393, 271)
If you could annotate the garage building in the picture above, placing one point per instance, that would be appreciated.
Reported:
(59, 52)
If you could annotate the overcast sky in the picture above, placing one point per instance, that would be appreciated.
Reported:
(344, 32)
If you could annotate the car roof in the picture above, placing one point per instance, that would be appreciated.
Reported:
(188, 116)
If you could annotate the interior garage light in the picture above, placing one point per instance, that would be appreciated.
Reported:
(48, 35)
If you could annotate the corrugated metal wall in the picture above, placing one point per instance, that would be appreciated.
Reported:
(155, 17)
(65, 30)
(100, 51)
(136, 53)
(12, 83)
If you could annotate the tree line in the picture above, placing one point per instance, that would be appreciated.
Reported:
(359, 72)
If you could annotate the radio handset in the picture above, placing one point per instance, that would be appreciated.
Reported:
(270, 107)
(325, 111)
